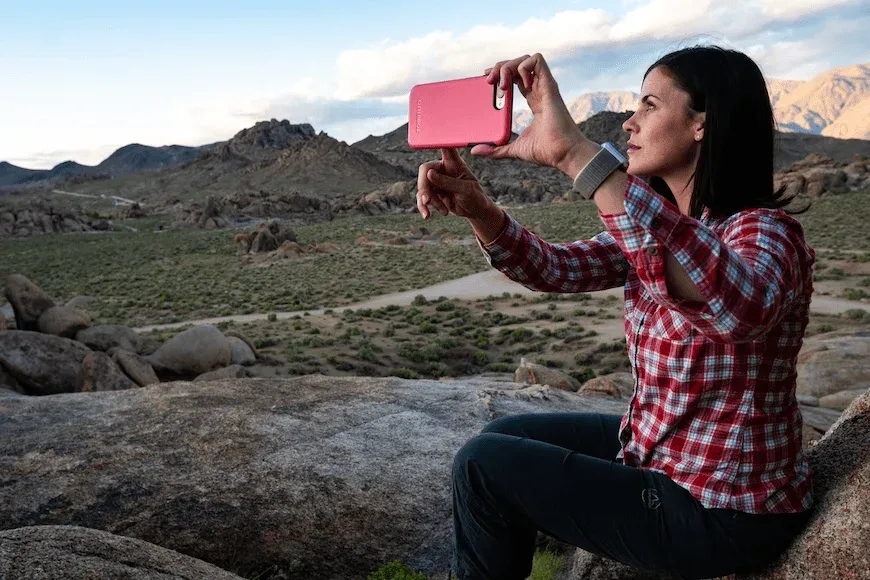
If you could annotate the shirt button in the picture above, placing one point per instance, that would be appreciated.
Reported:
(655, 223)
(653, 251)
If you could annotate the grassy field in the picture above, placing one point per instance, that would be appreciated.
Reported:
(150, 277)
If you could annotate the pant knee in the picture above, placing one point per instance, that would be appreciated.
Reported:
(476, 450)
(508, 425)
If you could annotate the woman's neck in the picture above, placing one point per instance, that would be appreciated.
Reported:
(682, 185)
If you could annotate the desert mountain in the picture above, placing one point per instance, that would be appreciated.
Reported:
(273, 156)
(835, 103)
(127, 160)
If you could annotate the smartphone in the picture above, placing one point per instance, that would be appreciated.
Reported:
(459, 113)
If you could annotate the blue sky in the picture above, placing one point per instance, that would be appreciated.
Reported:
(80, 79)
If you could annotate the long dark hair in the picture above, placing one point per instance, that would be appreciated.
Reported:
(735, 167)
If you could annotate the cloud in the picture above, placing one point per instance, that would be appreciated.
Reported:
(794, 9)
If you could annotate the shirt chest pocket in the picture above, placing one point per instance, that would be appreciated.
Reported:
(669, 325)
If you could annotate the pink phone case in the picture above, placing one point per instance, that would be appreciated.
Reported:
(458, 113)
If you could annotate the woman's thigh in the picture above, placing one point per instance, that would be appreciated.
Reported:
(593, 434)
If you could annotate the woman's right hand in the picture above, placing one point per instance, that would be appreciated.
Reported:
(552, 137)
(450, 187)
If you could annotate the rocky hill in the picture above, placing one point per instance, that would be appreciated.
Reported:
(277, 157)
(127, 160)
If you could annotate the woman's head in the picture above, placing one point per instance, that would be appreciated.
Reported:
(705, 113)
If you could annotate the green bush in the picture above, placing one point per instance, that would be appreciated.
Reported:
(520, 334)
(419, 300)
(856, 313)
(546, 565)
(853, 294)
(404, 373)
(583, 374)
(395, 570)
(427, 327)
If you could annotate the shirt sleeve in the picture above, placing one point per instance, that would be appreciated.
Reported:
(746, 276)
(581, 266)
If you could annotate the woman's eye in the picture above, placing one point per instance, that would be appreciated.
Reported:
(650, 106)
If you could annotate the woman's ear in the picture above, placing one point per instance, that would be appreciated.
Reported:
(698, 125)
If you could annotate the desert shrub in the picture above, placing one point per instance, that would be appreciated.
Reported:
(427, 327)
(855, 294)
(501, 367)
(521, 334)
(546, 565)
(395, 570)
(583, 374)
(855, 314)
(419, 300)
(404, 373)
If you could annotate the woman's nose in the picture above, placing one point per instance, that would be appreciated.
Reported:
(629, 125)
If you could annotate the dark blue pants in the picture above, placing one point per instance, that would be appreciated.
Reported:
(554, 472)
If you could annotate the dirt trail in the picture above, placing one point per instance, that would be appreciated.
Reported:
(481, 285)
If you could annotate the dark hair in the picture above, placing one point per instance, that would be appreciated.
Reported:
(735, 167)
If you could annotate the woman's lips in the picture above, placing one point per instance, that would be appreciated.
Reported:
(632, 148)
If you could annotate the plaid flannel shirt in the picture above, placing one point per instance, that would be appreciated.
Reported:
(714, 403)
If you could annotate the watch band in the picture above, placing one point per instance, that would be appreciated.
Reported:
(606, 161)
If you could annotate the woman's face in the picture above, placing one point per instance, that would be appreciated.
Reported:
(665, 133)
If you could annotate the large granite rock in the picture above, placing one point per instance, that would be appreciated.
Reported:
(75, 553)
(108, 336)
(192, 352)
(828, 365)
(836, 542)
(43, 364)
(28, 301)
(312, 477)
(63, 321)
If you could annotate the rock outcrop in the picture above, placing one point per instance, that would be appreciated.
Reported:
(313, 477)
(76, 553)
(816, 175)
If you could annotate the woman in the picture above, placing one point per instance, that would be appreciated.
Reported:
(704, 475)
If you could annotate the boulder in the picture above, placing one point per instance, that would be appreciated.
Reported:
(836, 541)
(43, 364)
(535, 374)
(614, 385)
(135, 367)
(63, 321)
(233, 371)
(315, 477)
(192, 352)
(105, 337)
(77, 553)
(833, 364)
(100, 373)
(245, 339)
(28, 301)
(240, 353)
(841, 399)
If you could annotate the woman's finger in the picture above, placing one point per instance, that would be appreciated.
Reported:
(500, 152)
(424, 190)
(450, 184)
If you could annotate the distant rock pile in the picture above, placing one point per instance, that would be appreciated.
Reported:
(220, 212)
(816, 175)
(40, 218)
(57, 349)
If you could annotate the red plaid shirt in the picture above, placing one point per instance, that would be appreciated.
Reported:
(714, 403)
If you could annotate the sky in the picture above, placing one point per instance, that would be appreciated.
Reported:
(80, 79)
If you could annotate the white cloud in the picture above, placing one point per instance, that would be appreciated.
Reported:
(794, 9)
(663, 19)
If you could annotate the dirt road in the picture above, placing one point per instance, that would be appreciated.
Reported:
(481, 285)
